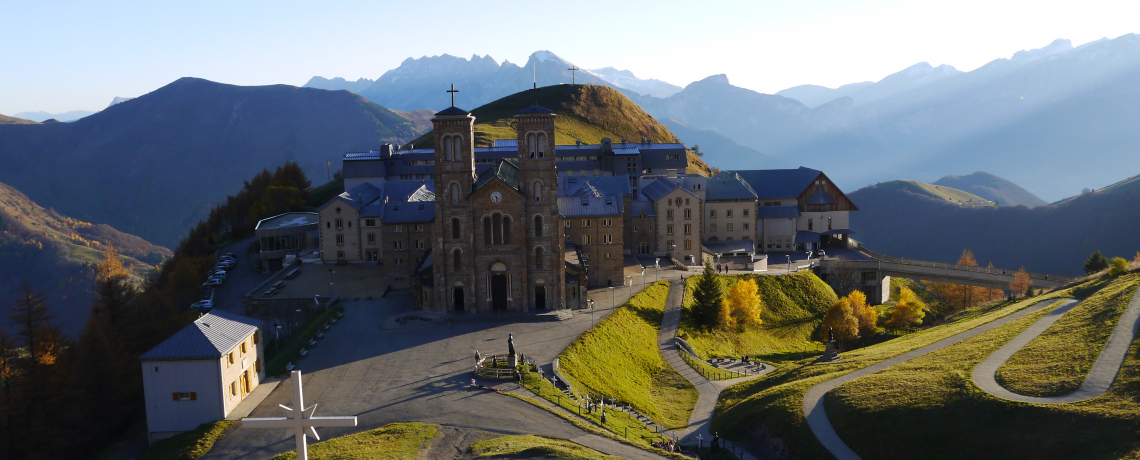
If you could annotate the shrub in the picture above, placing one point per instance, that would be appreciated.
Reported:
(1119, 266)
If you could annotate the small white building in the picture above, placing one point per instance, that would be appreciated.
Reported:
(201, 373)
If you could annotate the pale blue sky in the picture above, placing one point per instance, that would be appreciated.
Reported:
(70, 55)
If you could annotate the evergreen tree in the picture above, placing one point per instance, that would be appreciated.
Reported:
(1095, 263)
(708, 298)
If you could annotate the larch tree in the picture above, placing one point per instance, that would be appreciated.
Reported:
(960, 296)
(841, 320)
(1021, 282)
(1136, 260)
(745, 303)
(867, 316)
(908, 312)
(708, 298)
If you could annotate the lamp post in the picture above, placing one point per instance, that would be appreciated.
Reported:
(591, 303)
(331, 272)
(630, 279)
(789, 262)
(699, 439)
(276, 340)
(657, 267)
(643, 277)
(613, 298)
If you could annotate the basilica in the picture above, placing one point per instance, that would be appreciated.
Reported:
(526, 225)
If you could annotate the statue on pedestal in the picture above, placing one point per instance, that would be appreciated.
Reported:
(512, 357)
(829, 354)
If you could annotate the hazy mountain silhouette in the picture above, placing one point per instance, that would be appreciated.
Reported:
(1051, 238)
(993, 188)
(153, 166)
(721, 151)
(625, 79)
(339, 83)
(42, 116)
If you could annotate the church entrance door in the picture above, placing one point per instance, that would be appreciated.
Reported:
(540, 297)
(458, 299)
(499, 292)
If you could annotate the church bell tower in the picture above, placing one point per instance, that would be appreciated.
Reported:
(538, 177)
(453, 248)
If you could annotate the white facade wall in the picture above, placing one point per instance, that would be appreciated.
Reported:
(839, 220)
(164, 415)
(682, 202)
(718, 222)
(250, 361)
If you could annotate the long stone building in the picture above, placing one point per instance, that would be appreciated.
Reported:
(524, 225)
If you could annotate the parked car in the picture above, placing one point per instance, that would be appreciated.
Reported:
(202, 305)
(225, 267)
(230, 255)
(216, 272)
(213, 283)
(227, 258)
(226, 263)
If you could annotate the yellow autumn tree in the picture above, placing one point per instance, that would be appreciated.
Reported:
(908, 312)
(960, 296)
(1136, 260)
(1021, 282)
(867, 316)
(841, 319)
(744, 303)
(1118, 267)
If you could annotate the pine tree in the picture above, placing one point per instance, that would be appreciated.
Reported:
(708, 298)
(1095, 263)
(7, 376)
(842, 321)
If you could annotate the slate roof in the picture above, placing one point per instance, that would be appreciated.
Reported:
(804, 236)
(208, 337)
(657, 189)
(410, 191)
(606, 185)
(778, 212)
(590, 206)
(636, 208)
(779, 183)
(453, 110)
(503, 169)
(289, 219)
(728, 186)
(403, 212)
(536, 109)
(358, 197)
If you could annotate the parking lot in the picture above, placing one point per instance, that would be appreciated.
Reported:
(347, 281)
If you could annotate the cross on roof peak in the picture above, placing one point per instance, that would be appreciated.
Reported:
(453, 91)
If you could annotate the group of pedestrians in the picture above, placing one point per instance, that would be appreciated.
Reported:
(722, 268)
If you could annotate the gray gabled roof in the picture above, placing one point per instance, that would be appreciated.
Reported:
(728, 186)
(359, 197)
(637, 207)
(452, 111)
(590, 206)
(779, 183)
(208, 337)
(657, 189)
(503, 169)
(405, 212)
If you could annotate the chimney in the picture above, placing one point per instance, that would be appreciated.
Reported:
(386, 151)
(607, 145)
(623, 140)
(577, 142)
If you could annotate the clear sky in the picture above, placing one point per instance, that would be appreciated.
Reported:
(72, 55)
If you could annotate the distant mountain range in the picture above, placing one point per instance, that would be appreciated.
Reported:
(1055, 120)
(1056, 238)
(993, 188)
(56, 254)
(6, 120)
(154, 165)
(66, 116)
(721, 151)
(419, 83)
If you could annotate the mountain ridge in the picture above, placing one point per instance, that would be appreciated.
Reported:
(993, 188)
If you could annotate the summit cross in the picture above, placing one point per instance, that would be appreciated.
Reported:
(299, 419)
(453, 91)
(573, 69)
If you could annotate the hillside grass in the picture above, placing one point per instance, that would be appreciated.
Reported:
(619, 358)
(585, 112)
(396, 441)
(774, 403)
(943, 192)
(929, 407)
(191, 445)
(529, 446)
(793, 308)
(1057, 361)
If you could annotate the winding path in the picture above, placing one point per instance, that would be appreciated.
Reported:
(1100, 376)
(708, 390)
(813, 399)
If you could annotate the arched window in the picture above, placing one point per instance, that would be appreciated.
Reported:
(530, 141)
(497, 229)
(447, 149)
(537, 191)
(538, 252)
(541, 144)
(455, 150)
(457, 258)
(487, 231)
(538, 226)
(454, 193)
(455, 228)
(507, 230)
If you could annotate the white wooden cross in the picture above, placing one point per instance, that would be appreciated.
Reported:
(300, 420)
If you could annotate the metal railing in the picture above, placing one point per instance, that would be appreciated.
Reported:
(964, 268)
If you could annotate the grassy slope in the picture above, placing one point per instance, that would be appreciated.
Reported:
(929, 408)
(396, 441)
(942, 192)
(992, 188)
(6, 120)
(775, 401)
(529, 446)
(191, 445)
(585, 112)
(619, 358)
(793, 308)
(1056, 362)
